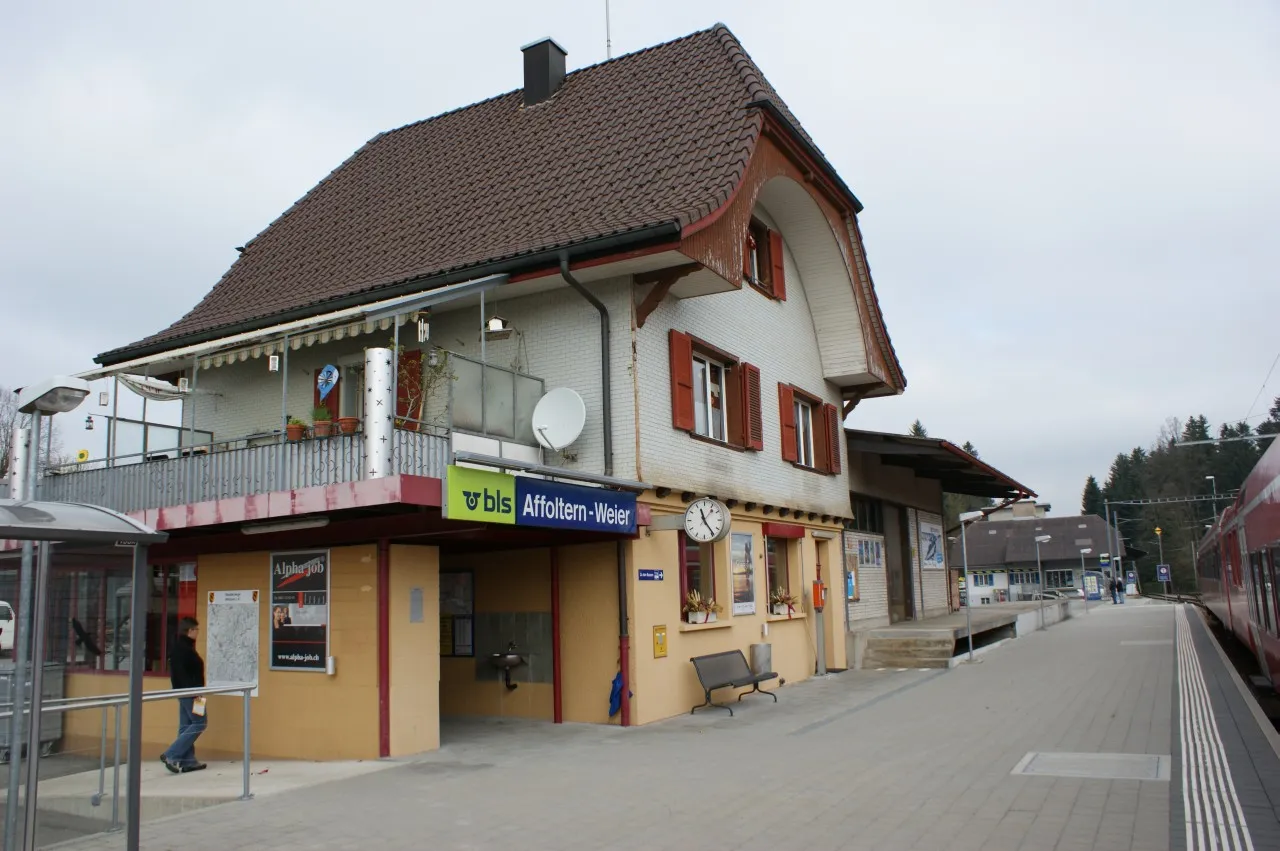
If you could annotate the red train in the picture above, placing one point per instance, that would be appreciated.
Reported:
(1238, 566)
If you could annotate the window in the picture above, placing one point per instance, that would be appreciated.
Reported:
(697, 569)
(763, 264)
(868, 515)
(709, 403)
(1263, 602)
(1059, 579)
(983, 580)
(89, 613)
(811, 431)
(714, 395)
(775, 555)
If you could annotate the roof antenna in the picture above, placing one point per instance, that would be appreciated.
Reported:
(608, 38)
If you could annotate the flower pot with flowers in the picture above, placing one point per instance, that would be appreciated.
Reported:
(699, 609)
(783, 603)
(322, 421)
(295, 429)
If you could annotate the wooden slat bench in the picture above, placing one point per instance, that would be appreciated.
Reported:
(728, 670)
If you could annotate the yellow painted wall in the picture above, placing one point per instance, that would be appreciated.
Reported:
(515, 581)
(668, 686)
(415, 651)
(82, 730)
(304, 715)
(588, 630)
(296, 715)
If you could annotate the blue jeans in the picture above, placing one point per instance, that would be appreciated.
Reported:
(183, 750)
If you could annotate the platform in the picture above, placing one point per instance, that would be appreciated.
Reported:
(938, 642)
(1071, 738)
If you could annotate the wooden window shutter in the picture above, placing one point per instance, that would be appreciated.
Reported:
(735, 407)
(681, 381)
(787, 416)
(330, 402)
(409, 401)
(753, 409)
(777, 270)
(835, 431)
(747, 245)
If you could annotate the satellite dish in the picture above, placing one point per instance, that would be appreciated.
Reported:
(558, 418)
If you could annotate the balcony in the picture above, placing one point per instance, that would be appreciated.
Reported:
(228, 469)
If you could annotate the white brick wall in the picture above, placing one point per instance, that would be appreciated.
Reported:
(872, 606)
(779, 338)
(557, 339)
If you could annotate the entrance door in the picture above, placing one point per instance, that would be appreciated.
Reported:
(898, 565)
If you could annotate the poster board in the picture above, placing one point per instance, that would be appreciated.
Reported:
(231, 638)
(743, 573)
(932, 543)
(300, 610)
(457, 613)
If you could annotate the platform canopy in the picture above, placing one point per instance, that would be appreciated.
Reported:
(72, 522)
(940, 460)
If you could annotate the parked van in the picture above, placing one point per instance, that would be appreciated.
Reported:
(7, 627)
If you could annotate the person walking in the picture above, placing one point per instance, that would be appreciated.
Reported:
(1115, 594)
(186, 670)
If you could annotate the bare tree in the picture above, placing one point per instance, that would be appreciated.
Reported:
(9, 417)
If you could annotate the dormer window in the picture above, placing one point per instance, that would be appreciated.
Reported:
(763, 265)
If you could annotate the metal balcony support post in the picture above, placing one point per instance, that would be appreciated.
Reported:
(115, 778)
(23, 474)
(284, 412)
(38, 634)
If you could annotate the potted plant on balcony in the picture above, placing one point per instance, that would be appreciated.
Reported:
(348, 425)
(783, 603)
(295, 428)
(323, 421)
(698, 609)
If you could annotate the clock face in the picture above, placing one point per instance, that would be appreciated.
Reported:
(706, 520)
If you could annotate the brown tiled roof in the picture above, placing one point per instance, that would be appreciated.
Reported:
(658, 137)
(1012, 542)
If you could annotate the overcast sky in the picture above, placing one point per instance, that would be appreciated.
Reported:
(1070, 214)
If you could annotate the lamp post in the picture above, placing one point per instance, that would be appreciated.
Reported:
(1160, 543)
(1041, 539)
(44, 398)
(965, 519)
(1214, 481)
(1083, 587)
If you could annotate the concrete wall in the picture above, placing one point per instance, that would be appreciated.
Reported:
(779, 338)
(414, 651)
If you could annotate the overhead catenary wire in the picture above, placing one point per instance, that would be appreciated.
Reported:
(1263, 388)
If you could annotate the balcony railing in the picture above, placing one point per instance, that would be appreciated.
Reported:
(222, 471)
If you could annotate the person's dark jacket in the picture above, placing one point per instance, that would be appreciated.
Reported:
(186, 668)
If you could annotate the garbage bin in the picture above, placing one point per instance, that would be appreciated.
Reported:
(53, 688)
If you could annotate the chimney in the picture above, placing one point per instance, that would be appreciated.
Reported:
(543, 70)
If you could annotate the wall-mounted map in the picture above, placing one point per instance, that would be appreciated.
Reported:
(231, 634)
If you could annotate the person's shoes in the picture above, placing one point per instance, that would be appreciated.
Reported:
(195, 766)
(169, 765)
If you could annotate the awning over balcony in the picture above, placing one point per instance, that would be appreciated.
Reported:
(334, 325)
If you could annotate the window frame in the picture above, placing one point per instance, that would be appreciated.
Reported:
(764, 261)
(802, 416)
(704, 398)
(706, 567)
(783, 546)
(740, 413)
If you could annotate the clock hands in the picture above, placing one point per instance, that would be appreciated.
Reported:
(704, 521)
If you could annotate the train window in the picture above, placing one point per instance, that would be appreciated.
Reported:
(1273, 590)
(1262, 592)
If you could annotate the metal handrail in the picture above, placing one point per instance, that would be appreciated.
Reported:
(115, 701)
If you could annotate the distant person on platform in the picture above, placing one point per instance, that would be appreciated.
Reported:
(186, 670)
(1120, 588)
(1114, 585)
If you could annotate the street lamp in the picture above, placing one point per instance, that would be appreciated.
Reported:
(965, 519)
(1041, 539)
(1214, 481)
(1083, 588)
(56, 395)
(1160, 540)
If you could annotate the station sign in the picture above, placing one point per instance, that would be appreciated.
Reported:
(1104, 560)
(650, 575)
(1162, 573)
(488, 497)
(1131, 576)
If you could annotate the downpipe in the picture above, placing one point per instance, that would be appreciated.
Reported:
(606, 414)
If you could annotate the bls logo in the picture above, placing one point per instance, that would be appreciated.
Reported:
(494, 502)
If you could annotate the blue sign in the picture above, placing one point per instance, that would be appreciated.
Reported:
(560, 506)
(1131, 576)
(326, 379)
(1104, 561)
(1162, 573)
(651, 575)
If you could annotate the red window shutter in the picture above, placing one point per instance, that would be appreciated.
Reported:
(778, 279)
(753, 415)
(747, 245)
(835, 431)
(787, 416)
(681, 381)
(330, 402)
(409, 389)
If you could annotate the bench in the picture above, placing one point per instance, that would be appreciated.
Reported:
(728, 670)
